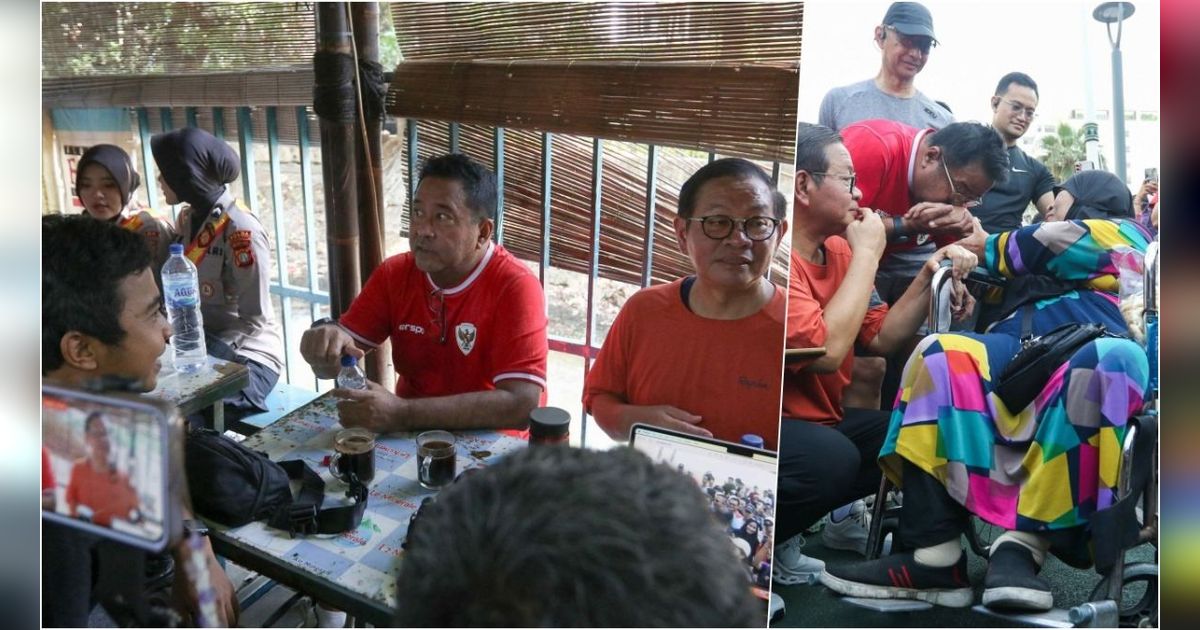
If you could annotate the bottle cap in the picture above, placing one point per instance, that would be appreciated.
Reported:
(176, 248)
(549, 422)
(751, 439)
(348, 360)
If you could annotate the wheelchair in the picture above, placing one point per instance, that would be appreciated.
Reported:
(1127, 593)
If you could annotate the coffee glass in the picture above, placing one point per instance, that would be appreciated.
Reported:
(353, 456)
(437, 459)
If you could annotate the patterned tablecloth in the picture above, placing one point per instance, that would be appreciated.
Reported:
(366, 560)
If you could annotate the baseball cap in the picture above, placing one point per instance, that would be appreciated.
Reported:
(910, 18)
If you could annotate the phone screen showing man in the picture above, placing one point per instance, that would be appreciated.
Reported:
(103, 467)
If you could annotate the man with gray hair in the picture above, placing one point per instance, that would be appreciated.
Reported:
(905, 38)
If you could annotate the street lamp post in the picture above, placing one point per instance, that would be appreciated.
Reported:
(1116, 13)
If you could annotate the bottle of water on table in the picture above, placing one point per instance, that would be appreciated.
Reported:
(181, 292)
(351, 376)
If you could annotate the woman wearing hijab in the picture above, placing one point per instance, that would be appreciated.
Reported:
(1042, 472)
(1091, 195)
(105, 181)
(229, 248)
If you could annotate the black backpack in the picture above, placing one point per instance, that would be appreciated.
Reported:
(234, 485)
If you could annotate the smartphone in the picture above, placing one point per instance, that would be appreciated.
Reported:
(1152, 174)
(112, 466)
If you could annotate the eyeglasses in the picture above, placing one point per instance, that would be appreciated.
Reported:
(719, 226)
(1018, 108)
(436, 301)
(967, 201)
(849, 179)
(913, 42)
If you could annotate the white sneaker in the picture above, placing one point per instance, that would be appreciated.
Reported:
(776, 610)
(790, 567)
(321, 617)
(850, 533)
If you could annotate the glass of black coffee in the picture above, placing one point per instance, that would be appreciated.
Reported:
(353, 456)
(437, 459)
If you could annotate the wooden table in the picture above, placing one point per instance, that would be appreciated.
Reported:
(354, 571)
(194, 391)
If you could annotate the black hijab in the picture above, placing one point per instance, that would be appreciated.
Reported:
(116, 161)
(1098, 195)
(196, 165)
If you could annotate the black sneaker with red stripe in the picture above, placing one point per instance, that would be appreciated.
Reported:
(900, 576)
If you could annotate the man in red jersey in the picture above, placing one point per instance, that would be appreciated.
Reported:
(466, 319)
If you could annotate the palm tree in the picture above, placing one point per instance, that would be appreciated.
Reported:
(1062, 149)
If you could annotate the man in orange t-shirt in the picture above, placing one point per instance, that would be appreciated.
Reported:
(701, 354)
(97, 491)
(827, 452)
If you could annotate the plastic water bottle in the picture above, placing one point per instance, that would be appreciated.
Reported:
(181, 292)
(351, 376)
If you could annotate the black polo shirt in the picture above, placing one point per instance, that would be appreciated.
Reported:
(1003, 205)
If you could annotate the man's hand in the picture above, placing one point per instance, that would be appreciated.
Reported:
(187, 600)
(322, 348)
(667, 417)
(866, 234)
(375, 408)
(939, 218)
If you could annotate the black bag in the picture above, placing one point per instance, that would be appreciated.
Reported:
(1028, 372)
(234, 485)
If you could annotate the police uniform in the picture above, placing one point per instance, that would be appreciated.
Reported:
(232, 258)
(158, 234)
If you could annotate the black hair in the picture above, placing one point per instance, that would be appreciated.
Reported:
(478, 182)
(779, 203)
(964, 143)
(555, 536)
(811, 143)
(93, 417)
(724, 167)
(83, 264)
(1020, 78)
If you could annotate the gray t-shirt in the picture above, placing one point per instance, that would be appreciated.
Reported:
(864, 101)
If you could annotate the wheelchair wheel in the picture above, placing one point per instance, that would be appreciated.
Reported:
(1139, 595)
(981, 536)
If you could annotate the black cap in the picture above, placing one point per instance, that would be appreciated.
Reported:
(549, 422)
(910, 18)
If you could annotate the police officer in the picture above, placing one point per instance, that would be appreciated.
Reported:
(229, 248)
(105, 181)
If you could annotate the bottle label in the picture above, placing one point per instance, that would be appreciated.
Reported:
(181, 295)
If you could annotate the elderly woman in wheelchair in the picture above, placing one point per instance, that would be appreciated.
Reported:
(1041, 463)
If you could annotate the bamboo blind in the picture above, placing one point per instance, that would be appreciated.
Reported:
(720, 32)
(173, 38)
(272, 87)
(742, 111)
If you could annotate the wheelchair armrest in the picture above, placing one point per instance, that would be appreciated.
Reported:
(941, 288)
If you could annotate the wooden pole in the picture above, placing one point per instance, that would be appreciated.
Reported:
(338, 162)
(365, 19)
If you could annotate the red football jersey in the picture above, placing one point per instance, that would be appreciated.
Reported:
(885, 154)
(461, 339)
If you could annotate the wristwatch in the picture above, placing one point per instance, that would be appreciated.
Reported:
(898, 234)
(323, 322)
